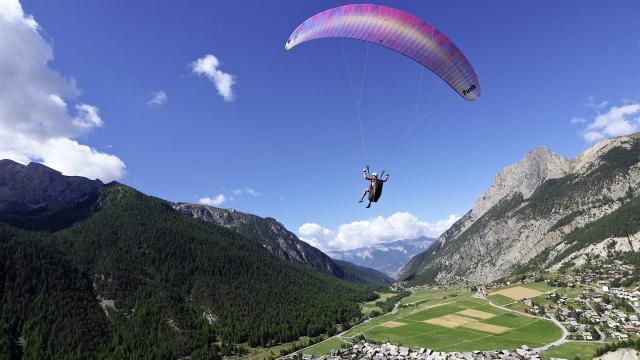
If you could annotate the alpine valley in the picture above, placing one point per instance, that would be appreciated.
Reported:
(93, 270)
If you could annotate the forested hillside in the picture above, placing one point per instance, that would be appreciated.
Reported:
(281, 242)
(178, 285)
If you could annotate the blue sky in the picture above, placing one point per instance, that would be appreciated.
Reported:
(290, 133)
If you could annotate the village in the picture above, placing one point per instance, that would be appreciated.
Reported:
(365, 350)
(589, 305)
(593, 305)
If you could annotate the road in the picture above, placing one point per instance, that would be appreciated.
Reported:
(602, 335)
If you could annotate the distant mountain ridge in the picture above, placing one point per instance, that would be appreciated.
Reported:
(385, 257)
(280, 241)
(36, 197)
(32, 188)
(537, 212)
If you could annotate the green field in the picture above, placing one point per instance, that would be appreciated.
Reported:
(500, 299)
(540, 286)
(571, 350)
(260, 353)
(542, 300)
(411, 330)
(571, 292)
(369, 307)
(324, 347)
(435, 296)
(518, 306)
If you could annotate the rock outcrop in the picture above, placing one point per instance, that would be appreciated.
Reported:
(530, 210)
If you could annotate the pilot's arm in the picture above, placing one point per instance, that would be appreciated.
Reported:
(366, 174)
(386, 177)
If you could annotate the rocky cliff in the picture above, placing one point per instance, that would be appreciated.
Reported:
(533, 210)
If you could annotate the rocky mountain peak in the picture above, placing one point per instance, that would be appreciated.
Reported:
(538, 165)
(556, 198)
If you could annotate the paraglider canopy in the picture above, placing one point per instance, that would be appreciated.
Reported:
(398, 31)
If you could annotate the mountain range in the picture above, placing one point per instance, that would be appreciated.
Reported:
(544, 212)
(105, 270)
(281, 242)
(102, 270)
(388, 258)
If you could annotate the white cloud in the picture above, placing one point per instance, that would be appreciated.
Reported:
(592, 103)
(158, 98)
(618, 121)
(87, 117)
(36, 121)
(315, 235)
(592, 136)
(400, 225)
(246, 191)
(214, 201)
(577, 120)
(208, 66)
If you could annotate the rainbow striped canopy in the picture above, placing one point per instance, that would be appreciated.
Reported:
(398, 31)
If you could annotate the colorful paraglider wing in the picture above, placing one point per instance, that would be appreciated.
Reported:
(396, 30)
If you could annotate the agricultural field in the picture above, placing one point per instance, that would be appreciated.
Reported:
(260, 353)
(572, 350)
(445, 322)
(325, 347)
(539, 286)
(571, 292)
(500, 299)
(517, 292)
(431, 296)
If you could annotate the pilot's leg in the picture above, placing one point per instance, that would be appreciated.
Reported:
(363, 195)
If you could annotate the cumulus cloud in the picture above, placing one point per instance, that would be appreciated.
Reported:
(246, 191)
(618, 121)
(316, 235)
(40, 117)
(400, 225)
(209, 67)
(214, 201)
(158, 98)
